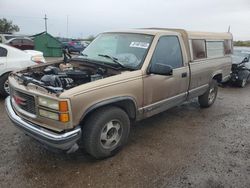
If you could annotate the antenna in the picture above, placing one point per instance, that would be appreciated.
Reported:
(229, 27)
(45, 19)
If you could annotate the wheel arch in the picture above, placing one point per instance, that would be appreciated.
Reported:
(8, 71)
(218, 77)
(126, 103)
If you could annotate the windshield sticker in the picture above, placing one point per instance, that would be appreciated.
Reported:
(144, 45)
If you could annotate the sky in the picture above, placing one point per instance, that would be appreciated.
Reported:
(90, 17)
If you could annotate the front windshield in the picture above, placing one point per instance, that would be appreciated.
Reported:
(126, 48)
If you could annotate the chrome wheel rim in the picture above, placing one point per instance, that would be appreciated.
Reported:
(111, 134)
(211, 95)
(6, 86)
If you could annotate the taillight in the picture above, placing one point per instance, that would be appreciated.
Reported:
(38, 59)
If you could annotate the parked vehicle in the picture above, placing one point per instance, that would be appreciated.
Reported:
(13, 59)
(4, 37)
(73, 46)
(85, 43)
(120, 77)
(240, 67)
(23, 43)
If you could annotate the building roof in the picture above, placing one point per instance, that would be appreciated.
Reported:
(45, 33)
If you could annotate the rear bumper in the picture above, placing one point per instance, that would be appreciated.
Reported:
(62, 141)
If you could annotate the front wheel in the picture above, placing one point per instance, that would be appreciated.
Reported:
(208, 98)
(4, 85)
(105, 132)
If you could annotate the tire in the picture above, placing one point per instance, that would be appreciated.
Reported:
(208, 98)
(4, 85)
(105, 132)
(242, 83)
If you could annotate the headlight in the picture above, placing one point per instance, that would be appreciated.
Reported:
(49, 103)
(48, 114)
(61, 108)
(63, 117)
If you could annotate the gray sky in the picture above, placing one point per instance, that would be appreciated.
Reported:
(88, 17)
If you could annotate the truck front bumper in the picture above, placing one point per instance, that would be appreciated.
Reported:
(66, 141)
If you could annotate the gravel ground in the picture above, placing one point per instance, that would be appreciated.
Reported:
(182, 147)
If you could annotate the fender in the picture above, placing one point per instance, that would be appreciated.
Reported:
(111, 101)
(8, 70)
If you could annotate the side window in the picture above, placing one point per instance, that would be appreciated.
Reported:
(199, 49)
(27, 42)
(1, 39)
(215, 48)
(16, 42)
(228, 46)
(3, 52)
(168, 52)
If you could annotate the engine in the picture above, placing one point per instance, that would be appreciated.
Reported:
(66, 79)
(56, 79)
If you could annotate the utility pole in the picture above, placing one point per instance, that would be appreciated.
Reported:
(45, 19)
(67, 26)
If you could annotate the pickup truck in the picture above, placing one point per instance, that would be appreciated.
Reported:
(121, 77)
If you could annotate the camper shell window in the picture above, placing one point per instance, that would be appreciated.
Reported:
(199, 49)
(202, 48)
(215, 49)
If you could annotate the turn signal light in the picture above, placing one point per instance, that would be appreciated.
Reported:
(64, 117)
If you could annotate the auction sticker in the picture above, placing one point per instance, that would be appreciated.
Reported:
(144, 45)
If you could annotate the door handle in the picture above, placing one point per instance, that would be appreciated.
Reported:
(184, 74)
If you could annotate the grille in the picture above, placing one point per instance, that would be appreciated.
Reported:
(24, 101)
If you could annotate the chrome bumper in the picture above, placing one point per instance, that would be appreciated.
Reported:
(63, 141)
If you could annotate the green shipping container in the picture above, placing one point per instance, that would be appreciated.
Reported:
(49, 45)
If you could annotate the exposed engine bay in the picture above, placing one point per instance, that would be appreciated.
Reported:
(56, 78)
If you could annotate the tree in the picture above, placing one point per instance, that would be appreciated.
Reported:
(6, 26)
(91, 37)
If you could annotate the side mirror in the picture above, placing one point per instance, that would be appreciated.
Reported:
(161, 69)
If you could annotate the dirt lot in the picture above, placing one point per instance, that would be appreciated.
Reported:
(183, 147)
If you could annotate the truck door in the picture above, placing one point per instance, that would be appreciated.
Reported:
(160, 91)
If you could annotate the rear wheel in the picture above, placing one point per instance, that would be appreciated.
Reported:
(4, 85)
(208, 98)
(105, 132)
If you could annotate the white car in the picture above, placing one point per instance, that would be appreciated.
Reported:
(12, 59)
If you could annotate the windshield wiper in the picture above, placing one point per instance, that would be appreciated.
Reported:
(114, 59)
(85, 55)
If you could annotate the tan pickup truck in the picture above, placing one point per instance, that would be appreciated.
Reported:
(119, 78)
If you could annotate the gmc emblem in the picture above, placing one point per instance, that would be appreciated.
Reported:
(19, 100)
